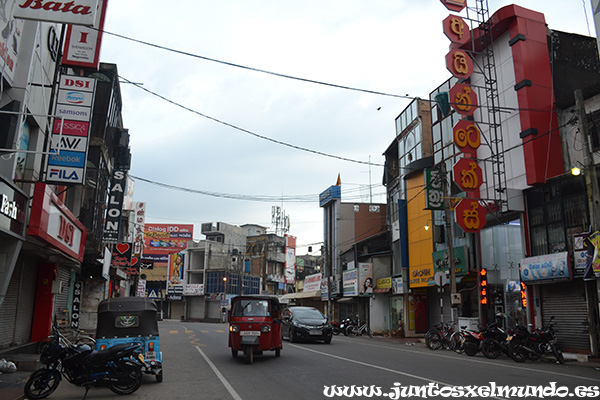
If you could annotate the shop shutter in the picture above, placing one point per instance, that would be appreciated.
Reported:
(567, 303)
(24, 318)
(196, 307)
(61, 300)
(8, 310)
(16, 312)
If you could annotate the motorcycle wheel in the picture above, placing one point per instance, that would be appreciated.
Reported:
(490, 349)
(42, 383)
(351, 331)
(456, 342)
(336, 331)
(558, 354)
(433, 341)
(129, 376)
(517, 352)
(470, 348)
(369, 332)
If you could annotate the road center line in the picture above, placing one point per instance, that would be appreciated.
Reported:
(381, 368)
(224, 381)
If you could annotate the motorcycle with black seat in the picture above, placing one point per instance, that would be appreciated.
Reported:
(117, 367)
(524, 345)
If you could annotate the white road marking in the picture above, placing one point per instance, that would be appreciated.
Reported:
(393, 371)
(224, 381)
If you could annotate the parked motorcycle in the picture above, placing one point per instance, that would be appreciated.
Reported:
(495, 339)
(525, 345)
(337, 328)
(117, 368)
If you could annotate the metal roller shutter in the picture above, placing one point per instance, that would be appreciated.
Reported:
(26, 301)
(8, 310)
(15, 327)
(567, 303)
(196, 308)
(61, 300)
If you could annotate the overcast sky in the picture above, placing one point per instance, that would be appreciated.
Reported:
(390, 46)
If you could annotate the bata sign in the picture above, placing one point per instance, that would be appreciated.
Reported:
(76, 12)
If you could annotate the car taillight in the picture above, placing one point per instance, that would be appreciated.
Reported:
(265, 328)
(234, 328)
(150, 346)
(102, 347)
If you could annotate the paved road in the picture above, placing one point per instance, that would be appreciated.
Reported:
(199, 365)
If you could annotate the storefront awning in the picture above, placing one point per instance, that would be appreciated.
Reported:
(302, 295)
(382, 290)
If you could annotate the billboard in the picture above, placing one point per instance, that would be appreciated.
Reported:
(161, 240)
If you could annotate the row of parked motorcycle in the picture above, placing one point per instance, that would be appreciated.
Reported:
(520, 344)
(350, 327)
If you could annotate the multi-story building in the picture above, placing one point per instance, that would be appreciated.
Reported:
(512, 115)
(62, 138)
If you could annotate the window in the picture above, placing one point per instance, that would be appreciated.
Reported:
(556, 212)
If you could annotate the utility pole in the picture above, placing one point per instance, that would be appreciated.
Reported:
(449, 236)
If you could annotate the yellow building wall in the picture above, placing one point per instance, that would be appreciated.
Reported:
(420, 243)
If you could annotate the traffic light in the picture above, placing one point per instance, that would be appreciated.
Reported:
(483, 287)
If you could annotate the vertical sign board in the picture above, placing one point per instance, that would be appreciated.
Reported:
(76, 307)
(82, 44)
(112, 222)
(434, 191)
(138, 229)
(70, 130)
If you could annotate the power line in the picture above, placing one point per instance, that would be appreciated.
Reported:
(246, 130)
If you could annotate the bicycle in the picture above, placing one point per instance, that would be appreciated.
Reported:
(442, 335)
(354, 330)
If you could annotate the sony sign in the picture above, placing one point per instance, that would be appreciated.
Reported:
(75, 12)
(114, 210)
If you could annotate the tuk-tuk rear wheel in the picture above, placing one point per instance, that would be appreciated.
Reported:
(234, 353)
(159, 377)
(278, 352)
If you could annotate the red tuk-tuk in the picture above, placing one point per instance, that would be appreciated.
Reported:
(254, 326)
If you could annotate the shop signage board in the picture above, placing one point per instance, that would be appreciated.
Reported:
(70, 130)
(547, 268)
(434, 190)
(76, 12)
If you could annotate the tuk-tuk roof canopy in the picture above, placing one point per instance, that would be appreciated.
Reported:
(139, 313)
(255, 296)
(127, 304)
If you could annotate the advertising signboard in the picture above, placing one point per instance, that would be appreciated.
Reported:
(312, 282)
(70, 130)
(350, 282)
(76, 12)
(546, 268)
